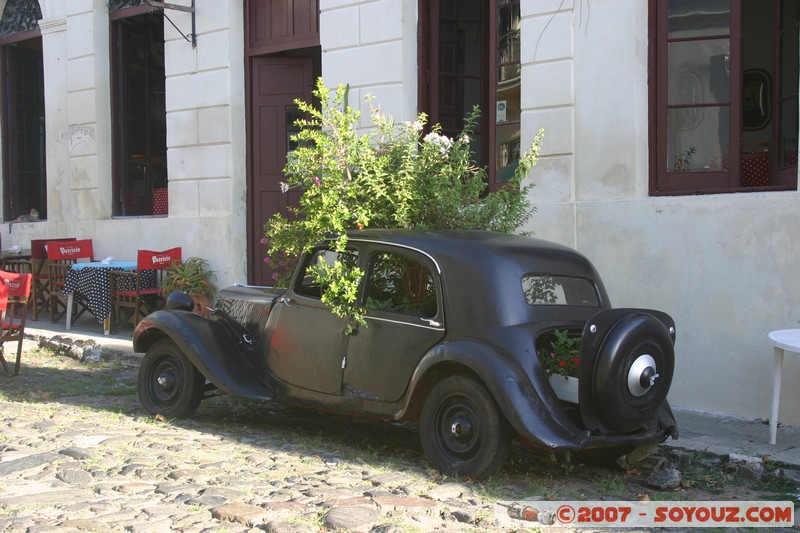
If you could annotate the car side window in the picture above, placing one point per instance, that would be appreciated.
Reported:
(400, 284)
(558, 290)
(307, 283)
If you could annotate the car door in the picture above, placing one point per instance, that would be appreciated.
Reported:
(307, 345)
(402, 295)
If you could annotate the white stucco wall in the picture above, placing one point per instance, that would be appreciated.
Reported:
(722, 265)
(205, 137)
(372, 46)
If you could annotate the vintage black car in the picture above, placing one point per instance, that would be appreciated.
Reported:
(452, 324)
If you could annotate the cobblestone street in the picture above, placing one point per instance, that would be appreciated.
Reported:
(77, 454)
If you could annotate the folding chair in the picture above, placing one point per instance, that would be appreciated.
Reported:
(40, 287)
(127, 289)
(15, 290)
(61, 255)
(20, 266)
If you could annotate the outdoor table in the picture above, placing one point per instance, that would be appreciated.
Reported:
(10, 255)
(91, 281)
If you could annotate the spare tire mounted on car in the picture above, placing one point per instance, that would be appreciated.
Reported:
(627, 365)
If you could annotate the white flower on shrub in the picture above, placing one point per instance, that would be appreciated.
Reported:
(442, 142)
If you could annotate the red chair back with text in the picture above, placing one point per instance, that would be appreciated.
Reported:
(15, 290)
(40, 290)
(150, 260)
(70, 250)
(13, 285)
(39, 246)
(130, 293)
(61, 255)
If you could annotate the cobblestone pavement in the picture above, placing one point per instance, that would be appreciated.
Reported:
(77, 454)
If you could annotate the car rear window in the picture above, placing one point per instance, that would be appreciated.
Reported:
(540, 289)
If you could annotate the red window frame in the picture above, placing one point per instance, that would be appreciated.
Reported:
(727, 177)
(430, 76)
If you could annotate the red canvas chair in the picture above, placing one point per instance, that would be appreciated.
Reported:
(15, 291)
(61, 255)
(128, 290)
(40, 287)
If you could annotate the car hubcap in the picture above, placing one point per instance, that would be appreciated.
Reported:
(166, 383)
(461, 428)
(642, 375)
(459, 423)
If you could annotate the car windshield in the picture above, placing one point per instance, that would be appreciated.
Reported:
(541, 289)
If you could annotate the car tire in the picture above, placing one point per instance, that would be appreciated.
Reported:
(462, 430)
(169, 384)
(635, 348)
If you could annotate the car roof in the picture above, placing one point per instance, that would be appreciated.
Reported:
(491, 266)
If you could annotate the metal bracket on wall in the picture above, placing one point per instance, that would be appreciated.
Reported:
(176, 7)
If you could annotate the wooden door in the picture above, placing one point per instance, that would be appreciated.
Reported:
(275, 83)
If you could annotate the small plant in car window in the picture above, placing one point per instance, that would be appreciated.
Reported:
(560, 353)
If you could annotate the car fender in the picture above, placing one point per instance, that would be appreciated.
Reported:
(208, 345)
(508, 384)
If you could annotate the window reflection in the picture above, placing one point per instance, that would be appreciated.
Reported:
(507, 113)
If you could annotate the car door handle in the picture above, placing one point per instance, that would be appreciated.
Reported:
(432, 323)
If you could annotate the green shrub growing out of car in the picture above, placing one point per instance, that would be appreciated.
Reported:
(392, 175)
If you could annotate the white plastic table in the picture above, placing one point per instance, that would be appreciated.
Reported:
(782, 340)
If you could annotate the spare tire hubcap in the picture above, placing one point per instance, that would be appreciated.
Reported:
(642, 375)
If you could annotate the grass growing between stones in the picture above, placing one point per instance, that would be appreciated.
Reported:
(46, 376)
(779, 490)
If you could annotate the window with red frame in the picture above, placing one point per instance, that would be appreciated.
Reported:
(723, 95)
(470, 56)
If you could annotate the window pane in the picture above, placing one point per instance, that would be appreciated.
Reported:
(24, 119)
(293, 114)
(507, 151)
(698, 18)
(790, 13)
(698, 139)
(558, 290)
(788, 146)
(508, 18)
(460, 47)
(698, 72)
(140, 108)
(789, 60)
(308, 283)
(457, 97)
(402, 285)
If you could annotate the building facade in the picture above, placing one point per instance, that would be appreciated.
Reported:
(669, 159)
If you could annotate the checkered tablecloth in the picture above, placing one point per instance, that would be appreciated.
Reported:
(90, 281)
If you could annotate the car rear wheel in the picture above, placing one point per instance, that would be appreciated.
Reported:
(462, 430)
(168, 384)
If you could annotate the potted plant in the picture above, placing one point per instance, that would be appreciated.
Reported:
(193, 276)
(560, 355)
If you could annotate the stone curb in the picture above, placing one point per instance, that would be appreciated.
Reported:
(82, 350)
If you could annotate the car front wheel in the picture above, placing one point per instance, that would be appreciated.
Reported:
(462, 430)
(169, 385)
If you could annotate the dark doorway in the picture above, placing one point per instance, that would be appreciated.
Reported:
(24, 136)
(284, 60)
(275, 84)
